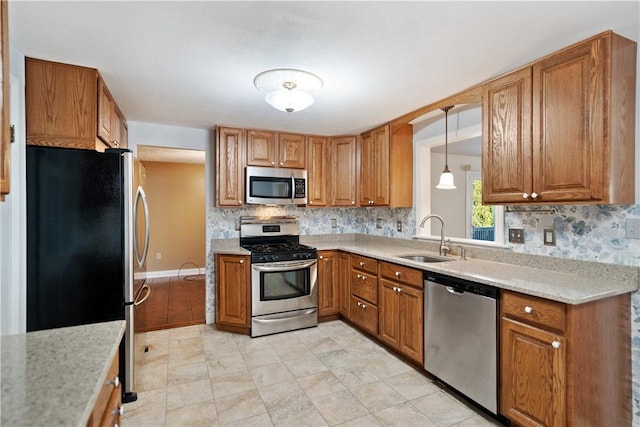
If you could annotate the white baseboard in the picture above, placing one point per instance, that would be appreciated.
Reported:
(174, 273)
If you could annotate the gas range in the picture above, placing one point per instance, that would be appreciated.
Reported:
(274, 239)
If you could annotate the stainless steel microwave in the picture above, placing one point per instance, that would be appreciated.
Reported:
(275, 186)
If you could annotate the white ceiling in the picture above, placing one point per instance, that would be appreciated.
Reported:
(192, 64)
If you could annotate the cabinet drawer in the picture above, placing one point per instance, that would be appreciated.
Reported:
(109, 395)
(364, 315)
(365, 264)
(400, 273)
(533, 310)
(364, 286)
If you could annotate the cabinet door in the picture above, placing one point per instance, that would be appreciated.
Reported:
(506, 135)
(344, 277)
(389, 313)
(107, 122)
(364, 315)
(533, 385)
(230, 148)
(380, 139)
(367, 170)
(60, 104)
(261, 148)
(411, 307)
(292, 151)
(5, 134)
(317, 171)
(233, 294)
(328, 291)
(568, 129)
(343, 171)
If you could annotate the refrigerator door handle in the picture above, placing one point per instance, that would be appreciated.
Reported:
(141, 198)
(137, 300)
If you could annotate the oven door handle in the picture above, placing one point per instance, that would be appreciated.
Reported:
(283, 266)
(285, 316)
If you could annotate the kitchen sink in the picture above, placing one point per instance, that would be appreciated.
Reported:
(425, 258)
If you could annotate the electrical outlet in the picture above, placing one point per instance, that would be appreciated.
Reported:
(158, 255)
(378, 222)
(549, 236)
(516, 235)
(632, 228)
(399, 226)
(334, 223)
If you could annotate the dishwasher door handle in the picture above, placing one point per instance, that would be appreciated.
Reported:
(453, 291)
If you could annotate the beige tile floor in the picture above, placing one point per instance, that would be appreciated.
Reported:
(329, 375)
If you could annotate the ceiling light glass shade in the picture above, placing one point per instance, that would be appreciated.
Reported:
(446, 181)
(288, 89)
(289, 100)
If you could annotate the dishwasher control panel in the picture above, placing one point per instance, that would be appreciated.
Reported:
(461, 285)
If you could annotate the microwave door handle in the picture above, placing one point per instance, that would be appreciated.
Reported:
(293, 187)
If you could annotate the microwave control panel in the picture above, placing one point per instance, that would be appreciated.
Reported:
(300, 190)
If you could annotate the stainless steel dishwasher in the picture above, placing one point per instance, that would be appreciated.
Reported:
(460, 336)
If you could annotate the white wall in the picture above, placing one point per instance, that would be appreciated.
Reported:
(13, 234)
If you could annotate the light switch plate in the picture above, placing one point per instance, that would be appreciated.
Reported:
(632, 228)
(549, 236)
(334, 223)
(516, 235)
(378, 222)
(399, 226)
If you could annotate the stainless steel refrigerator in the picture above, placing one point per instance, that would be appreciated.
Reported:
(81, 233)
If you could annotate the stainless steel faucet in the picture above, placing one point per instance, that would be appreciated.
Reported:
(444, 248)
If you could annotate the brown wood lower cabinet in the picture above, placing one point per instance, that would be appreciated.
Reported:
(106, 411)
(344, 278)
(233, 293)
(401, 307)
(328, 283)
(364, 314)
(565, 364)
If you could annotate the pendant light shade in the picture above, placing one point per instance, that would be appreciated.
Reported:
(446, 179)
(288, 89)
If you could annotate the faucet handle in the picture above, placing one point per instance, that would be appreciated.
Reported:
(463, 252)
(445, 247)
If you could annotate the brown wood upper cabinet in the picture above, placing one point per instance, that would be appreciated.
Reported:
(272, 149)
(386, 167)
(5, 132)
(63, 103)
(342, 154)
(562, 130)
(230, 161)
(111, 122)
(317, 170)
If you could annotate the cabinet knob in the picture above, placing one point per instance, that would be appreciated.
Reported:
(528, 309)
(116, 143)
(115, 382)
(281, 164)
(364, 307)
(353, 202)
(555, 344)
(273, 163)
(239, 202)
(241, 261)
(359, 276)
(399, 290)
(397, 274)
(310, 202)
(119, 411)
(534, 195)
(361, 263)
(395, 289)
(321, 257)
(525, 195)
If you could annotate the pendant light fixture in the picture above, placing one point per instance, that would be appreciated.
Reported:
(446, 179)
(288, 89)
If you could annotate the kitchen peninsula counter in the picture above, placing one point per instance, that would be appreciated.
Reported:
(53, 377)
(567, 281)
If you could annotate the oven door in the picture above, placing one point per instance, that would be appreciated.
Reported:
(283, 286)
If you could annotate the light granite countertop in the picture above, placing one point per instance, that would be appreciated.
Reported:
(53, 377)
(581, 282)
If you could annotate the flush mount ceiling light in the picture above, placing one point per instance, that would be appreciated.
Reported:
(288, 89)
(446, 179)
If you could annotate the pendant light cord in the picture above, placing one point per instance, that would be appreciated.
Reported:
(446, 137)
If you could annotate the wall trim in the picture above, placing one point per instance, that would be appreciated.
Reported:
(170, 273)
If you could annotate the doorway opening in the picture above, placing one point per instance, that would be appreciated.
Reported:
(174, 183)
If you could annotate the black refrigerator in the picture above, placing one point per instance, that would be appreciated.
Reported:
(80, 243)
